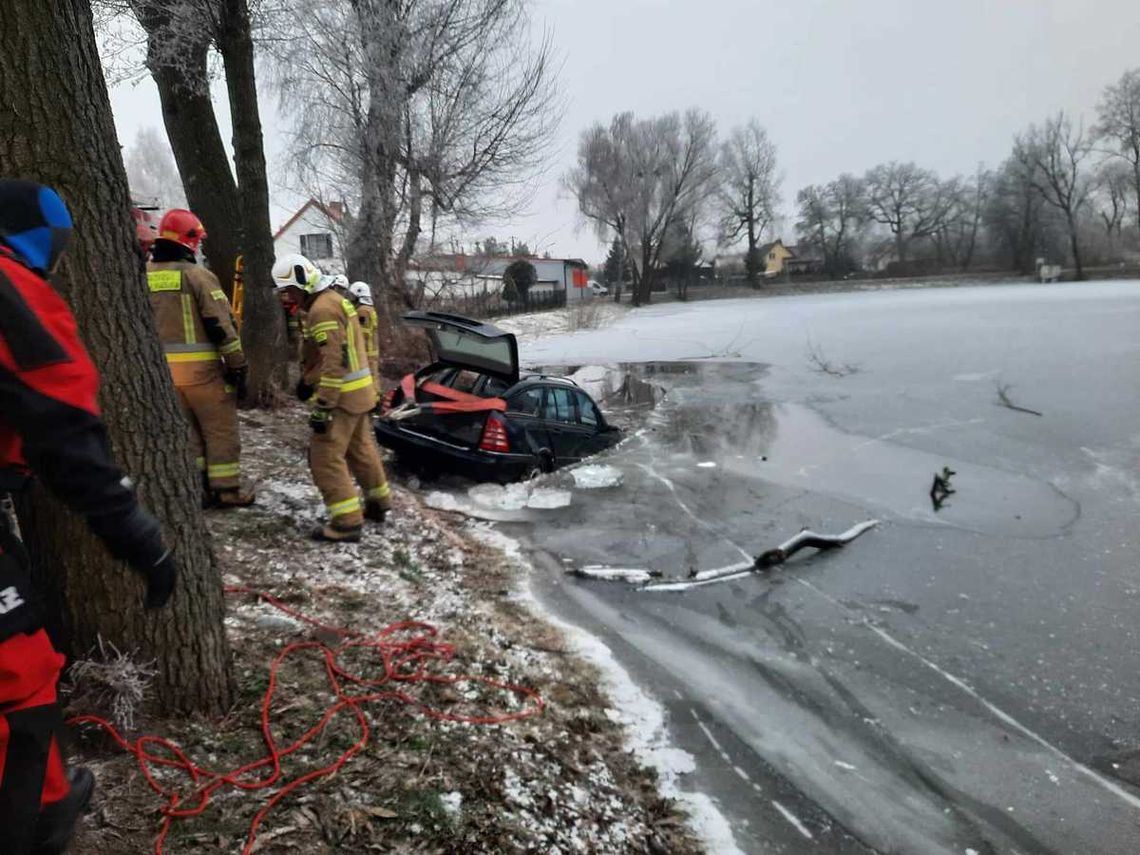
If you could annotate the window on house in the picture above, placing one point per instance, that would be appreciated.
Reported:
(317, 246)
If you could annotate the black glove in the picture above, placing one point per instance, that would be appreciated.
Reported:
(160, 581)
(304, 390)
(237, 377)
(320, 419)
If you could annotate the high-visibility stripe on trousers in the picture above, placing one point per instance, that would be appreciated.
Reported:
(211, 412)
(347, 450)
(32, 775)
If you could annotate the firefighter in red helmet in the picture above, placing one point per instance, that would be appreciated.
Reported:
(197, 330)
(50, 428)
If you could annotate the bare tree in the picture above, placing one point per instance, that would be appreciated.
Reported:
(437, 109)
(635, 178)
(956, 237)
(151, 171)
(179, 35)
(748, 193)
(908, 200)
(829, 216)
(1118, 126)
(1054, 155)
(1114, 195)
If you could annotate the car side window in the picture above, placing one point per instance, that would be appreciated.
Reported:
(559, 406)
(587, 412)
(528, 401)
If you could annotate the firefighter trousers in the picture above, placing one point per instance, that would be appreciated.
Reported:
(345, 451)
(211, 410)
(32, 775)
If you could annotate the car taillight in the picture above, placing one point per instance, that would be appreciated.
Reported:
(495, 436)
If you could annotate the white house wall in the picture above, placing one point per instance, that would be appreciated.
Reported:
(309, 223)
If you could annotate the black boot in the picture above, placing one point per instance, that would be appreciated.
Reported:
(56, 824)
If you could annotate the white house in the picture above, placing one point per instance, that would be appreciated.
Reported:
(315, 231)
(472, 275)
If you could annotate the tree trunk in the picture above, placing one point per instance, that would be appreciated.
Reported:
(263, 325)
(900, 246)
(192, 128)
(751, 262)
(1074, 241)
(51, 79)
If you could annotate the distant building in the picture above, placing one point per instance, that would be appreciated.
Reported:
(805, 260)
(775, 257)
(460, 274)
(315, 231)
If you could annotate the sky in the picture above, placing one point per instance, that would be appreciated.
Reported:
(840, 85)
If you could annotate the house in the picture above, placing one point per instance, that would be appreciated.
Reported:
(459, 274)
(316, 231)
(775, 257)
(805, 261)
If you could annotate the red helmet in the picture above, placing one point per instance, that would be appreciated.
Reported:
(182, 227)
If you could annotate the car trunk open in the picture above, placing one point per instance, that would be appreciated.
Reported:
(466, 343)
(452, 398)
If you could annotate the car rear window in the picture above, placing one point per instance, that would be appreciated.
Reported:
(464, 381)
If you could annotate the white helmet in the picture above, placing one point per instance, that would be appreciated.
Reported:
(361, 292)
(296, 271)
(339, 281)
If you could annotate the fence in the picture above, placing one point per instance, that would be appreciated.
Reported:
(492, 305)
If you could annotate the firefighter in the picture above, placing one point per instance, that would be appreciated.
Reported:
(204, 353)
(361, 296)
(50, 427)
(336, 378)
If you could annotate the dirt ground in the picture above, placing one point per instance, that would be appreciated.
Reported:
(561, 781)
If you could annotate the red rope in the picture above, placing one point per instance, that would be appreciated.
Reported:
(406, 660)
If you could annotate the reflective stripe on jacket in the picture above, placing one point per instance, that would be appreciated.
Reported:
(336, 359)
(194, 322)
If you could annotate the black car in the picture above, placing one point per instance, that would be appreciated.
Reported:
(473, 413)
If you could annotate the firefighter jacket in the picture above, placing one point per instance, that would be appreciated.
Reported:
(194, 321)
(335, 357)
(369, 325)
(51, 426)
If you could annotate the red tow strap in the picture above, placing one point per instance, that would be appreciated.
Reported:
(455, 401)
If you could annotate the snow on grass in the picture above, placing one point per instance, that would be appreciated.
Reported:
(584, 315)
(642, 717)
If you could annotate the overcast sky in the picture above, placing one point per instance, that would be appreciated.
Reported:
(840, 85)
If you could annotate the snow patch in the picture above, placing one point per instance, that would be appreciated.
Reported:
(452, 803)
(596, 476)
(707, 464)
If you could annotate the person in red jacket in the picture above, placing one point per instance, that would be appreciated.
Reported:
(50, 428)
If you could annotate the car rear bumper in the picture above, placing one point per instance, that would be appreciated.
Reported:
(421, 449)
